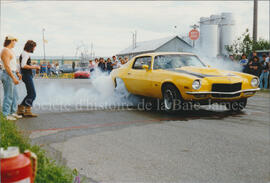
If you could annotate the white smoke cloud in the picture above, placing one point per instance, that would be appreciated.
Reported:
(95, 93)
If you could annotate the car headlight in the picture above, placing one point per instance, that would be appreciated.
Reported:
(255, 82)
(196, 84)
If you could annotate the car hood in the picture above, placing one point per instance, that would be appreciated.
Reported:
(202, 72)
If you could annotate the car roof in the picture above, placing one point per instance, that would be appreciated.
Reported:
(164, 53)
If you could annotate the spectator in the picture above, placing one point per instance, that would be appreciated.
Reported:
(109, 66)
(43, 68)
(102, 64)
(243, 62)
(268, 58)
(73, 66)
(57, 69)
(91, 66)
(254, 54)
(254, 66)
(26, 69)
(9, 79)
(96, 62)
(114, 62)
(265, 65)
(126, 59)
(49, 67)
(122, 61)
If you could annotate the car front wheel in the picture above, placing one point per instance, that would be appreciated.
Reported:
(171, 98)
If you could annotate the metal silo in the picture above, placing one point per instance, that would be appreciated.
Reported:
(208, 37)
(226, 31)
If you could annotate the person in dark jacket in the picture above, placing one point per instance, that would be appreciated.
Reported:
(109, 66)
(102, 65)
(73, 66)
(26, 70)
(254, 66)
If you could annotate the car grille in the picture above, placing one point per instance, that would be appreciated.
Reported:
(226, 88)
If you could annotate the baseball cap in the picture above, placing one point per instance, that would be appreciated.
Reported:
(11, 38)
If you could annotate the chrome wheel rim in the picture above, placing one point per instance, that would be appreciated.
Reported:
(168, 100)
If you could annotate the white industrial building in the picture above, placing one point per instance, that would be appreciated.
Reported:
(216, 32)
(168, 44)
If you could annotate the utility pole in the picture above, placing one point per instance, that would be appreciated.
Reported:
(43, 39)
(255, 20)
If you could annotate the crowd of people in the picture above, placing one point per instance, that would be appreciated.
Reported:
(257, 67)
(107, 65)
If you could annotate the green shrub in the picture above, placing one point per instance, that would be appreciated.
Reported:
(48, 171)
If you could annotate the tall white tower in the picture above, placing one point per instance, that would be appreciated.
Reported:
(226, 31)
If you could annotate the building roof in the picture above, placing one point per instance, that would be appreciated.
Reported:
(148, 46)
(55, 58)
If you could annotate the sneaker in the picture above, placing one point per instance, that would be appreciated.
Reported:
(11, 118)
(16, 116)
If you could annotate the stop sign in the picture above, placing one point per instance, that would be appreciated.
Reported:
(194, 34)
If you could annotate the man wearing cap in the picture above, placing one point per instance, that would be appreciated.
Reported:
(9, 79)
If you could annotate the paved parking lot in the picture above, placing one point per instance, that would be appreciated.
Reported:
(112, 145)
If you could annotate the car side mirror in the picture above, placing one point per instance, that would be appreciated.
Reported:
(146, 67)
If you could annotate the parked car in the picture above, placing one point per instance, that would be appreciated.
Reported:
(176, 77)
(82, 73)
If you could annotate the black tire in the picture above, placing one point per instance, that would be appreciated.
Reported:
(236, 106)
(172, 100)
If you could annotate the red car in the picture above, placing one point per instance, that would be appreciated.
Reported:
(83, 73)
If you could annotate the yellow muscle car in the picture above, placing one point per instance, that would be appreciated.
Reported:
(181, 78)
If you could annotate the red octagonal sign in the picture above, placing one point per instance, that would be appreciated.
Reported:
(194, 34)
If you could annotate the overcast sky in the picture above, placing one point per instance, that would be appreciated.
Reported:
(109, 24)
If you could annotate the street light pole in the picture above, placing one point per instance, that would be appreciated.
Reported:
(43, 39)
(255, 20)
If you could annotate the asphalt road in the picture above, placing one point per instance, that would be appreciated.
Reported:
(132, 145)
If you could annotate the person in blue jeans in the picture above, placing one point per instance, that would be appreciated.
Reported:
(10, 79)
(27, 76)
(265, 65)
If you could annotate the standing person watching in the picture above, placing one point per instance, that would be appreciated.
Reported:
(9, 79)
(126, 60)
(27, 77)
(49, 66)
(73, 66)
(114, 62)
(264, 73)
(91, 66)
(109, 66)
(254, 66)
(243, 62)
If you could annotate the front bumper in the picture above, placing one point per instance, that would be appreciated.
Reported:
(223, 93)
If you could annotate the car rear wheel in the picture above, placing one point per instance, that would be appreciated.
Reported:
(171, 98)
(236, 106)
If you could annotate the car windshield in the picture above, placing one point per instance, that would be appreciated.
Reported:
(176, 61)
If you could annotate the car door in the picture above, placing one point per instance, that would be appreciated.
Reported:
(139, 79)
